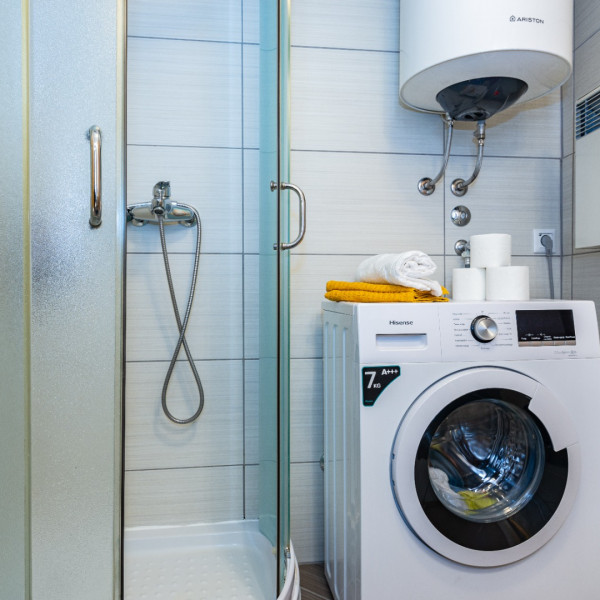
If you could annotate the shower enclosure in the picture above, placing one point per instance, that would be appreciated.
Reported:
(79, 492)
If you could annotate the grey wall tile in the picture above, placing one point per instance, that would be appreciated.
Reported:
(366, 203)
(586, 277)
(346, 24)
(209, 179)
(251, 21)
(183, 496)
(215, 438)
(215, 326)
(251, 423)
(567, 205)
(587, 67)
(587, 20)
(306, 398)
(348, 100)
(201, 103)
(307, 510)
(567, 277)
(183, 19)
(251, 96)
(530, 129)
(539, 283)
(568, 117)
(251, 492)
(510, 196)
(251, 306)
(251, 202)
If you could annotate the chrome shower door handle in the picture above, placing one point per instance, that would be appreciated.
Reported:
(302, 204)
(95, 137)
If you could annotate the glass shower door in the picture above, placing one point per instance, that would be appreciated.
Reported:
(60, 293)
(274, 514)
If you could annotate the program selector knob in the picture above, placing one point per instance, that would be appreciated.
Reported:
(484, 329)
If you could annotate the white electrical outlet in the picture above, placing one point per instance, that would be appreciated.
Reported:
(537, 240)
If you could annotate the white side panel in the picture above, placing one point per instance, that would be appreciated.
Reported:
(587, 200)
(342, 457)
(76, 82)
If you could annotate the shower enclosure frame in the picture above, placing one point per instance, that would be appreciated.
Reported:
(63, 379)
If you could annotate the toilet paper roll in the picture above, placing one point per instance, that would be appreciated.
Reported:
(507, 283)
(468, 284)
(490, 250)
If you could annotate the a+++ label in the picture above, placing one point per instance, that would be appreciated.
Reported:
(375, 380)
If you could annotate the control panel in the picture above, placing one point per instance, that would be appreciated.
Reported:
(494, 331)
(471, 330)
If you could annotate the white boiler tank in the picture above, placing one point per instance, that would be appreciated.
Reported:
(508, 51)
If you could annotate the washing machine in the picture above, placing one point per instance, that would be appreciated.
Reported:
(462, 447)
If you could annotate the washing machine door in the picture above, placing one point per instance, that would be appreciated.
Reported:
(485, 466)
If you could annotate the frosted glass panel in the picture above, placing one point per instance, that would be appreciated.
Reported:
(75, 299)
(13, 315)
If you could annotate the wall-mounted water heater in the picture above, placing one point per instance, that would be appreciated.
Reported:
(471, 59)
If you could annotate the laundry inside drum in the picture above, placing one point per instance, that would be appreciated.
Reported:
(486, 460)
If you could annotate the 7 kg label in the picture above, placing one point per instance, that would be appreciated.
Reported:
(375, 380)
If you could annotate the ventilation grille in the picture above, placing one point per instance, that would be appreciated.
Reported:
(587, 115)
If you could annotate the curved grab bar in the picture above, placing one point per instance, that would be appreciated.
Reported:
(302, 224)
(95, 137)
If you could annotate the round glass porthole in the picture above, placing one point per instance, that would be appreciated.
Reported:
(486, 460)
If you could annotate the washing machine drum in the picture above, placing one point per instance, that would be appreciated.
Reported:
(485, 466)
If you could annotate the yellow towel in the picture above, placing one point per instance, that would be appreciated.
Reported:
(358, 291)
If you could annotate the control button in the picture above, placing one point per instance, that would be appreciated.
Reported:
(484, 329)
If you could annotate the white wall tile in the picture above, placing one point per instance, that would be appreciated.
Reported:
(530, 129)
(306, 419)
(366, 203)
(348, 100)
(215, 330)
(182, 93)
(309, 275)
(587, 20)
(183, 496)
(215, 438)
(186, 19)
(510, 196)
(307, 511)
(346, 24)
(208, 179)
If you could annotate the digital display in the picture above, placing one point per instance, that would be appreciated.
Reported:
(545, 328)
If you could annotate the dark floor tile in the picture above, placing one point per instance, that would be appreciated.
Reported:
(313, 583)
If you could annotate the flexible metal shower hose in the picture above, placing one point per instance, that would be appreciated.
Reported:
(182, 325)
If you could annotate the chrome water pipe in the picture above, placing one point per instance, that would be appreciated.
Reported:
(460, 187)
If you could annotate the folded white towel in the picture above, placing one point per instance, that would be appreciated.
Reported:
(410, 269)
